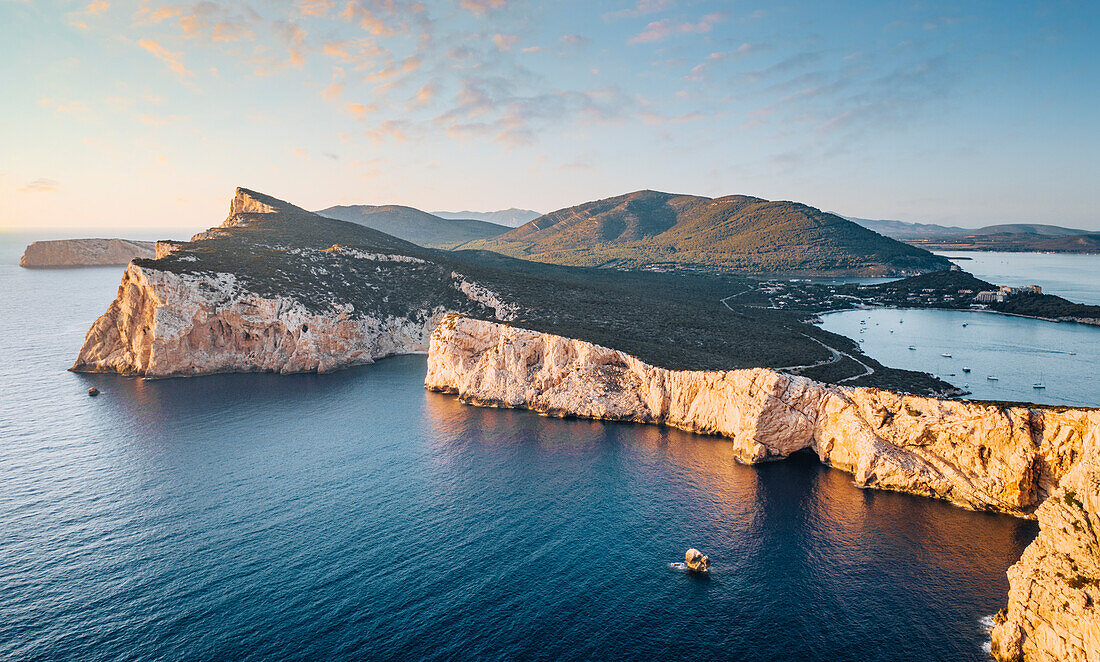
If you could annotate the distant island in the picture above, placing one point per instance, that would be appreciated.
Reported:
(659, 231)
(1010, 237)
(63, 253)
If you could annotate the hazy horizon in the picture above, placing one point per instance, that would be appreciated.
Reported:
(128, 114)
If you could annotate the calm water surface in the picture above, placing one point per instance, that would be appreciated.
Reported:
(355, 516)
(1019, 352)
(1075, 277)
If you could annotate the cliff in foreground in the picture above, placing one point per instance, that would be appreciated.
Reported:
(277, 288)
(84, 253)
(267, 291)
(979, 455)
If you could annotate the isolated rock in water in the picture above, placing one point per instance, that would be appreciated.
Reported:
(93, 391)
(84, 252)
(696, 560)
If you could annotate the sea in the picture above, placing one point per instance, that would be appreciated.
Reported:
(1009, 358)
(356, 516)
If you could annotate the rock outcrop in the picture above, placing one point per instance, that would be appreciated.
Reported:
(979, 455)
(696, 560)
(263, 292)
(1053, 613)
(84, 253)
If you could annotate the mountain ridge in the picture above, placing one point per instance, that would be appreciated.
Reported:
(512, 217)
(655, 230)
(415, 225)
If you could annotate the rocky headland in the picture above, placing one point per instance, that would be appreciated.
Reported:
(62, 253)
(1026, 461)
(220, 304)
(277, 288)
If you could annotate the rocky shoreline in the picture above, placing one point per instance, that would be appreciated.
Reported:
(275, 288)
(1025, 461)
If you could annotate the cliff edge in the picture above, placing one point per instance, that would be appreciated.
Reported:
(1020, 460)
(269, 291)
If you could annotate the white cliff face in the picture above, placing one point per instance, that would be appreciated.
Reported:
(163, 324)
(1053, 613)
(978, 455)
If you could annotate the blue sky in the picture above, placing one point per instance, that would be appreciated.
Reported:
(147, 114)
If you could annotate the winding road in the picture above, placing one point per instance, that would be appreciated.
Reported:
(835, 353)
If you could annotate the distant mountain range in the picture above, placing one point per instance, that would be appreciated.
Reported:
(655, 230)
(1002, 237)
(512, 218)
(417, 226)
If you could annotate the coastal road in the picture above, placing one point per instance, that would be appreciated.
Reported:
(835, 353)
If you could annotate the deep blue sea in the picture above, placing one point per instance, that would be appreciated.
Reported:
(356, 516)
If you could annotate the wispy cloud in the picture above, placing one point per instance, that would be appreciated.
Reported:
(77, 18)
(72, 107)
(642, 8)
(665, 28)
(482, 7)
(173, 60)
(41, 185)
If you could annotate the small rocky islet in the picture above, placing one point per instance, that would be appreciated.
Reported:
(276, 288)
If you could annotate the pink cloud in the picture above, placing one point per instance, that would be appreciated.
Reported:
(482, 7)
(665, 28)
(173, 60)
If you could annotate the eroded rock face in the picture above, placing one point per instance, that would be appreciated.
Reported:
(696, 560)
(1052, 612)
(263, 292)
(84, 252)
(978, 455)
(163, 324)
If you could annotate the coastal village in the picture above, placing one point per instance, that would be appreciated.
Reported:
(955, 290)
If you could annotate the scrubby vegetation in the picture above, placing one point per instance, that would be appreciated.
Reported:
(413, 225)
(653, 230)
(673, 320)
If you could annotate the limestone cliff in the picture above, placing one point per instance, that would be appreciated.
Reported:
(276, 301)
(979, 455)
(1053, 613)
(976, 454)
(84, 252)
(163, 324)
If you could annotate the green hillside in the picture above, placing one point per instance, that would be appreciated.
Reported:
(677, 321)
(413, 225)
(654, 230)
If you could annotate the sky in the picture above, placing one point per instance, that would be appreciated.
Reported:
(146, 115)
